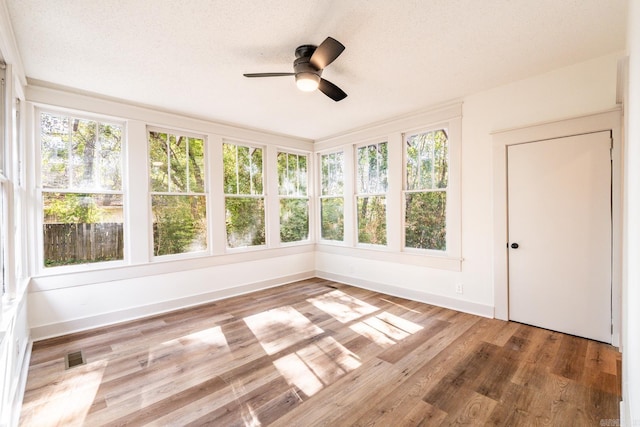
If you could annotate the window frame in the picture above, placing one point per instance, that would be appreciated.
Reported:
(40, 269)
(452, 191)
(205, 194)
(264, 196)
(358, 195)
(307, 196)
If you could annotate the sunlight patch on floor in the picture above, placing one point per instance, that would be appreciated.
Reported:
(385, 329)
(73, 397)
(341, 306)
(281, 328)
(317, 365)
(399, 322)
(212, 336)
(296, 372)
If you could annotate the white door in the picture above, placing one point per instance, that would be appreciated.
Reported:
(559, 198)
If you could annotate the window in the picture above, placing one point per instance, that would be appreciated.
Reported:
(426, 190)
(371, 189)
(244, 195)
(331, 196)
(178, 193)
(294, 201)
(81, 190)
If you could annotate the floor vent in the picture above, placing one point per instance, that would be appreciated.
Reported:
(74, 359)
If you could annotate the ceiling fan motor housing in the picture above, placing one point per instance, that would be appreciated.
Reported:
(302, 64)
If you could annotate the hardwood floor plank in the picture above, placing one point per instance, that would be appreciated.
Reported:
(317, 352)
(571, 357)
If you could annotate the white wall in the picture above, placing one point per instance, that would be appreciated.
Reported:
(59, 310)
(572, 91)
(630, 408)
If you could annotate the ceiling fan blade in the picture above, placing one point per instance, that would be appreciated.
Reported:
(268, 74)
(331, 90)
(326, 53)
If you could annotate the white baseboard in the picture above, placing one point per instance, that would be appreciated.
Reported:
(22, 385)
(39, 333)
(439, 300)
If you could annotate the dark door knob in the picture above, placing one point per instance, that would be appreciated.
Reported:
(515, 246)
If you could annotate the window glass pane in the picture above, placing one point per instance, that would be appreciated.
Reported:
(332, 227)
(292, 174)
(84, 138)
(82, 227)
(425, 220)
(245, 222)
(178, 164)
(244, 170)
(427, 160)
(109, 158)
(284, 183)
(158, 156)
(372, 169)
(302, 175)
(256, 171)
(332, 174)
(383, 165)
(196, 165)
(179, 224)
(229, 153)
(372, 221)
(294, 220)
(54, 136)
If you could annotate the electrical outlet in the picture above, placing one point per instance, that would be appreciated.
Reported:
(459, 288)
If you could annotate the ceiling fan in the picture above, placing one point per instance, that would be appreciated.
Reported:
(308, 65)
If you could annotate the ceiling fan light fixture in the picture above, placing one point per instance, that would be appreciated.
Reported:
(307, 82)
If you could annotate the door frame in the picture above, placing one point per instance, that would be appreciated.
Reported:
(610, 120)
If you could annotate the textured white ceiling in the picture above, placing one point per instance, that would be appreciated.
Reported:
(188, 56)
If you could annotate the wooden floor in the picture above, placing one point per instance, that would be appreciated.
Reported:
(322, 353)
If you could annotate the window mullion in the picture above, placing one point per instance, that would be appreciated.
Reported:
(237, 170)
(187, 168)
(70, 151)
(169, 174)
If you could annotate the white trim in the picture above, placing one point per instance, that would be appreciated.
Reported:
(45, 93)
(604, 121)
(421, 118)
(411, 294)
(383, 253)
(76, 325)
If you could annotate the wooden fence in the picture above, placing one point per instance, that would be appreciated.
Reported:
(82, 243)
